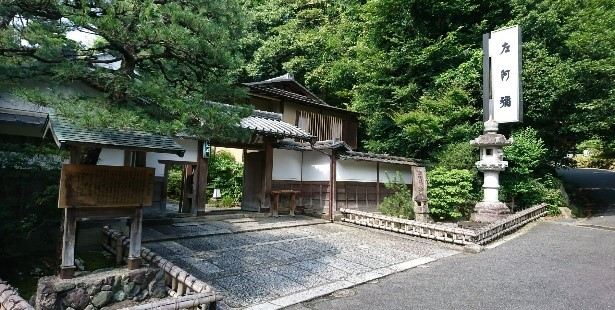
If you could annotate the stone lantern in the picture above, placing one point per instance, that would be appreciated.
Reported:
(491, 162)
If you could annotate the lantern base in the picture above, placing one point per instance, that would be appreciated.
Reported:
(487, 212)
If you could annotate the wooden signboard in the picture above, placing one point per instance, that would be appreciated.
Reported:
(88, 186)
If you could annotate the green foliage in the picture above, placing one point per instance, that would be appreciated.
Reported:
(399, 203)
(460, 155)
(597, 158)
(154, 63)
(450, 192)
(417, 78)
(174, 183)
(528, 180)
(226, 174)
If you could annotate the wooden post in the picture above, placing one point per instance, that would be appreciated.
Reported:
(165, 184)
(377, 184)
(292, 203)
(267, 176)
(119, 252)
(200, 186)
(69, 229)
(134, 250)
(276, 204)
(183, 190)
(67, 269)
(332, 180)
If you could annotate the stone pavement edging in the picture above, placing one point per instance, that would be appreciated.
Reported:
(301, 221)
(352, 281)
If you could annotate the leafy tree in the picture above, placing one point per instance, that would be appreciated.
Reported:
(155, 62)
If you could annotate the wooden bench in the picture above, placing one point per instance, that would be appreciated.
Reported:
(275, 196)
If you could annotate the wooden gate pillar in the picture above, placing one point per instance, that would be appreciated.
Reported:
(200, 184)
(134, 250)
(267, 176)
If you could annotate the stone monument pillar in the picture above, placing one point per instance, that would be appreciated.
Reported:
(491, 162)
(419, 191)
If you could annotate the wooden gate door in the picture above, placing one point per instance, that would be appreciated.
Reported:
(253, 180)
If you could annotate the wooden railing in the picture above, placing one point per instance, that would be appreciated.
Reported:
(445, 233)
(10, 299)
(182, 285)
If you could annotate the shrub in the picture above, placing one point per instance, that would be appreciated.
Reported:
(174, 183)
(460, 155)
(449, 192)
(529, 180)
(399, 203)
(226, 174)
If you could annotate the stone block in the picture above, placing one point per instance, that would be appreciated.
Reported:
(102, 298)
(487, 212)
(77, 299)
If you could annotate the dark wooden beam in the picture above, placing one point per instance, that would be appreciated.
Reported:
(200, 189)
(267, 175)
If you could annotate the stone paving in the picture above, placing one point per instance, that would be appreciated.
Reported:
(271, 263)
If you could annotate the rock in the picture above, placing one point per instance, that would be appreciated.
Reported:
(128, 289)
(102, 298)
(32, 300)
(136, 290)
(94, 288)
(77, 299)
(157, 289)
(64, 286)
(109, 281)
(46, 296)
(472, 248)
(80, 264)
(70, 308)
(142, 296)
(119, 296)
(90, 307)
(106, 287)
(160, 275)
(137, 276)
(565, 212)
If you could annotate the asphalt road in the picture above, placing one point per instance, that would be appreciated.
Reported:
(553, 265)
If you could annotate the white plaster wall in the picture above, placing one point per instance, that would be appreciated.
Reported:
(391, 169)
(315, 166)
(356, 171)
(111, 157)
(286, 165)
(190, 155)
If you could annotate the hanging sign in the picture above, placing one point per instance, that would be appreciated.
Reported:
(504, 49)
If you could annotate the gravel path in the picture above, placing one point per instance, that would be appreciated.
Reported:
(276, 267)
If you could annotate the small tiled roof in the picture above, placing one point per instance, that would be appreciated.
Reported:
(66, 133)
(27, 118)
(318, 145)
(345, 152)
(271, 124)
(383, 158)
